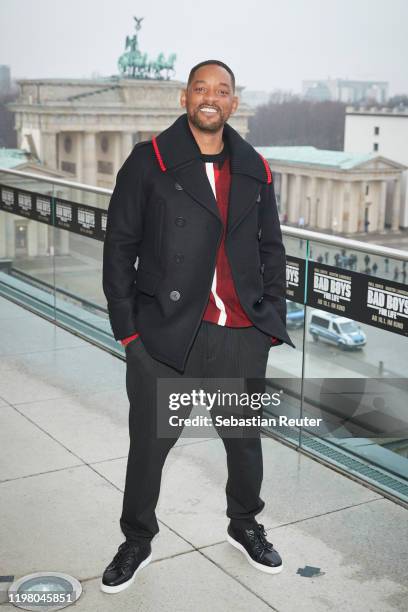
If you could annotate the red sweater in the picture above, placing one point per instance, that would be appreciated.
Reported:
(223, 306)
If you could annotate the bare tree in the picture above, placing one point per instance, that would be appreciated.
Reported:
(398, 100)
(299, 122)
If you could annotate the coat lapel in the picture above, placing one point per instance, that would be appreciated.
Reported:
(243, 193)
(179, 155)
(193, 178)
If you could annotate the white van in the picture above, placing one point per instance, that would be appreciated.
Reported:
(344, 333)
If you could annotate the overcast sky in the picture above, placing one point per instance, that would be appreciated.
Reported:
(268, 43)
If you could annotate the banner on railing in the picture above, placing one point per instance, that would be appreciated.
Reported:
(330, 289)
(77, 218)
(360, 297)
(28, 204)
(80, 219)
(295, 279)
(354, 295)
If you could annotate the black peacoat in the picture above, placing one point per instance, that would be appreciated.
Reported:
(162, 235)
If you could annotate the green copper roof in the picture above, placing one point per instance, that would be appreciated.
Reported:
(10, 158)
(311, 155)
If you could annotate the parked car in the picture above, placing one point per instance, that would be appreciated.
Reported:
(295, 314)
(344, 333)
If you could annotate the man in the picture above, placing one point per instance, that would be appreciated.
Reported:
(196, 208)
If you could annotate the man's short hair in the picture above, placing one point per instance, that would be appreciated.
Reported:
(208, 63)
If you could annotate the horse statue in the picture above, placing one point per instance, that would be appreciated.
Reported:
(137, 66)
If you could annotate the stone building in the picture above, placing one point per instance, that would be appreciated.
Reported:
(334, 190)
(345, 90)
(87, 128)
(383, 131)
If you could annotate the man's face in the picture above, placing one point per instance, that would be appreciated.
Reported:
(209, 99)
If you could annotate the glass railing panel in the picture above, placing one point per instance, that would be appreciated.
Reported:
(79, 230)
(27, 242)
(285, 363)
(51, 244)
(378, 266)
(355, 356)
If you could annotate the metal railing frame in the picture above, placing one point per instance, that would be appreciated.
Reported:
(294, 232)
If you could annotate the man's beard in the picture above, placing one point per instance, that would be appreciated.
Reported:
(202, 125)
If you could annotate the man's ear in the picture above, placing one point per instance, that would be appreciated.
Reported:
(235, 104)
(183, 98)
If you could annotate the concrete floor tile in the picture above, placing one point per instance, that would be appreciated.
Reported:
(362, 558)
(65, 521)
(26, 450)
(103, 419)
(94, 426)
(186, 441)
(183, 583)
(193, 501)
(113, 470)
(297, 487)
(59, 373)
(192, 495)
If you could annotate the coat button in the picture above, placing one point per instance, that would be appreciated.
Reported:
(175, 295)
(258, 199)
(178, 186)
(180, 221)
(179, 258)
(259, 233)
(262, 268)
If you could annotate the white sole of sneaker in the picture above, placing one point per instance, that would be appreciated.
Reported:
(258, 566)
(121, 587)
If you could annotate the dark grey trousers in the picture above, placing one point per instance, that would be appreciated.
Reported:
(218, 352)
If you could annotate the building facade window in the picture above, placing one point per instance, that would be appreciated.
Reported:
(67, 166)
(105, 167)
(104, 143)
(376, 130)
(67, 144)
(375, 146)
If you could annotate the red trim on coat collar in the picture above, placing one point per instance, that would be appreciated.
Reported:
(267, 168)
(159, 157)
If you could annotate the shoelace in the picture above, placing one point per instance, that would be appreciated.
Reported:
(125, 554)
(258, 538)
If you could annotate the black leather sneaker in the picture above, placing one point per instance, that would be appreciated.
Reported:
(121, 571)
(253, 544)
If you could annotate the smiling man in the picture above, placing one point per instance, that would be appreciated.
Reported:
(195, 209)
(206, 112)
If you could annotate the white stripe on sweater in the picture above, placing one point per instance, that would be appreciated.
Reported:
(209, 168)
